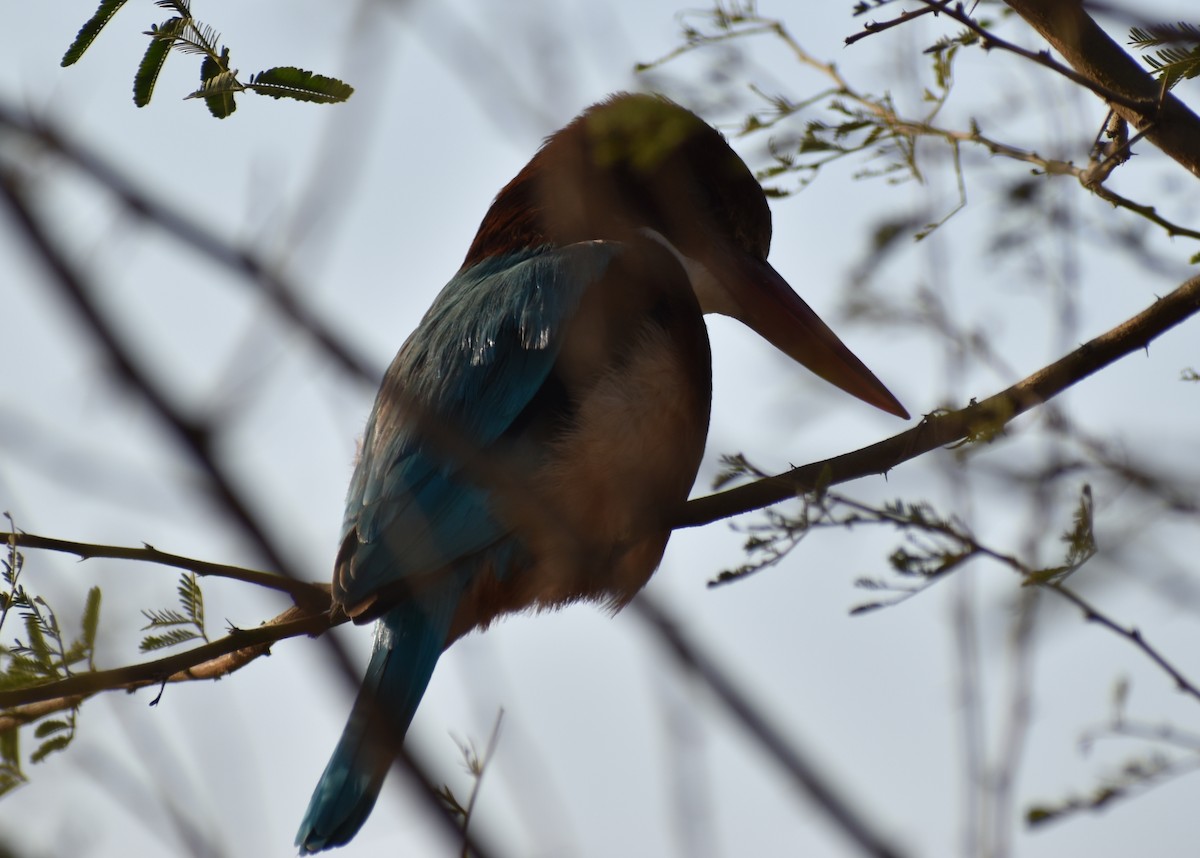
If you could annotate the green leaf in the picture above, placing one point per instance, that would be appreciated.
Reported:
(49, 728)
(37, 646)
(49, 747)
(201, 39)
(1174, 60)
(182, 7)
(299, 84)
(91, 618)
(161, 619)
(90, 30)
(171, 638)
(162, 39)
(217, 86)
(22, 672)
(191, 598)
(10, 779)
(10, 746)
(1163, 34)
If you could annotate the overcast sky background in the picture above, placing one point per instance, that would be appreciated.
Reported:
(370, 207)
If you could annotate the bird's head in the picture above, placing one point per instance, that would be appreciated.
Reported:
(640, 167)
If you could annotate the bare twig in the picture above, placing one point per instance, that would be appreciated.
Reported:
(303, 593)
(872, 27)
(1133, 635)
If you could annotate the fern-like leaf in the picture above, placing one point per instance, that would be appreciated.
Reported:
(1174, 60)
(197, 38)
(1163, 34)
(162, 39)
(91, 623)
(299, 84)
(38, 650)
(11, 775)
(164, 619)
(171, 638)
(218, 85)
(90, 30)
(181, 7)
(48, 747)
(10, 748)
(49, 727)
(191, 599)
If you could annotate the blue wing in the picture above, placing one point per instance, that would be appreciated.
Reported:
(476, 361)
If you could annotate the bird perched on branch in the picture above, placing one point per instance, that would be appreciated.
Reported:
(534, 437)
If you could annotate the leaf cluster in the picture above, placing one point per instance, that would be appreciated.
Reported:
(44, 655)
(1178, 50)
(177, 626)
(219, 81)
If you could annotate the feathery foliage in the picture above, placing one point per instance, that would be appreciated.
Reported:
(219, 82)
(177, 626)
(44, 655)
(1178, 50)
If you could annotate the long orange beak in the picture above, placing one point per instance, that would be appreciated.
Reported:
(766, 303)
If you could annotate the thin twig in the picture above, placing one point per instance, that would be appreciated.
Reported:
(302, 592)
(1133, 635)
(1042, 58)
(872, 27)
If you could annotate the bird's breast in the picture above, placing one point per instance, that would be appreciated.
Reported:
(595, 518)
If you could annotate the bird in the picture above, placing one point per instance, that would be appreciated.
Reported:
(534, 437)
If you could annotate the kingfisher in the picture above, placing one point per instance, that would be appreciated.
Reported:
(534, 438)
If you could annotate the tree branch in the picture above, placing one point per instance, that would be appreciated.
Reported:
(302, 592)
(1107, 68)
(1132, 102)
(976, 421)
(1133, 635)
(210, 661)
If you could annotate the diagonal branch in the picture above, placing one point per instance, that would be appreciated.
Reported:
(210, 661)
(1137, 102)
(978, 420)
(1105, 66)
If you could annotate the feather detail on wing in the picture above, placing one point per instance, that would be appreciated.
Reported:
(475, 363)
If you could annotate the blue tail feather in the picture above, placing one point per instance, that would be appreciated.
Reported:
(408, 641)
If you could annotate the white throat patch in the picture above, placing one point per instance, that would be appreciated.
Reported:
(712, 295)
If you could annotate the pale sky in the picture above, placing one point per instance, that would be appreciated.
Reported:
(370, 207)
